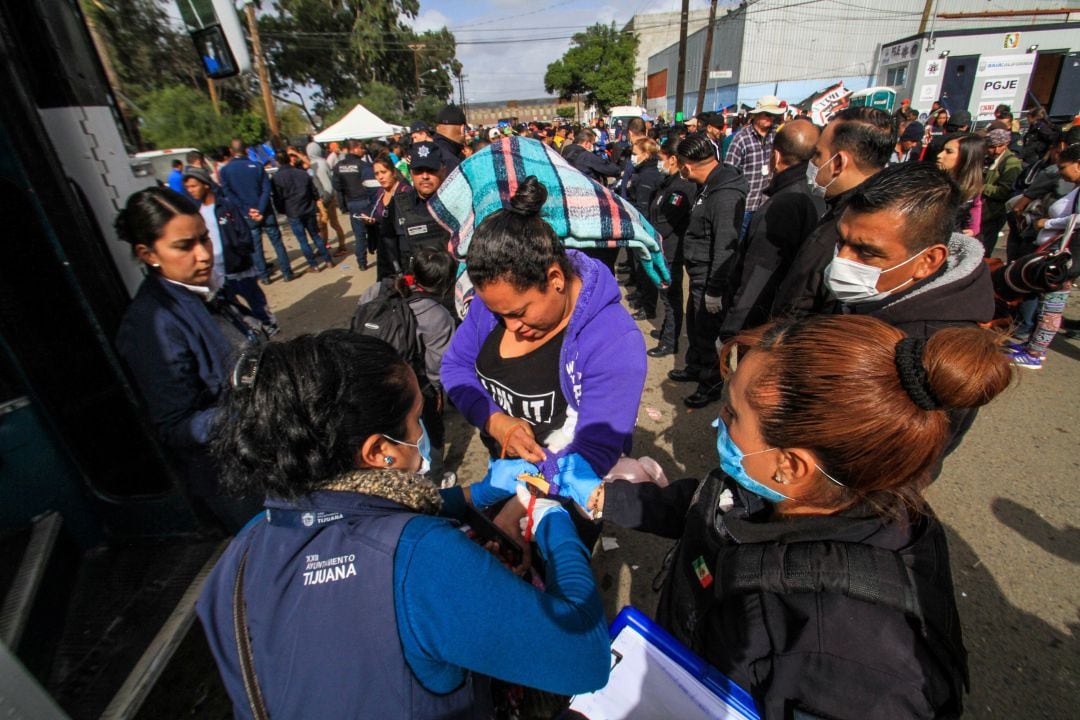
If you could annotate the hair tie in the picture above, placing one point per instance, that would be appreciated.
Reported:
(913, 376)
(246, 370)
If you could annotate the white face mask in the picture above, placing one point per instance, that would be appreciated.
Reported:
(812, 171)
(853, 282)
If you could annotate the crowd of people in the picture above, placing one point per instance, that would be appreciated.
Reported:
(837, 303)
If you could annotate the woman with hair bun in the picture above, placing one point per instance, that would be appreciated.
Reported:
(547, 363)
(356, 595)
(810, 569)
(181, 335)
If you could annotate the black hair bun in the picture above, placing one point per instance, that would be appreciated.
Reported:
(529, 198)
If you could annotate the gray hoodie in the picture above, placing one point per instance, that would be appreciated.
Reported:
(320, 172)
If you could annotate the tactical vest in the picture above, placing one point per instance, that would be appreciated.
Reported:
(319, 590)
(709, 569)
(416, 228)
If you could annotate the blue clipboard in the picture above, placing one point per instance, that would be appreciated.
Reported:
(704, 680)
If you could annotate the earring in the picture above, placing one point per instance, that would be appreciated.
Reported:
(388, 460)
(558, 288)
(778, 478)
(157, 265)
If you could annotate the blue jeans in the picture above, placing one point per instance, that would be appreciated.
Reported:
(746, 218)
(249, 291)
(307, 222)
(269, 224)
(359, 229)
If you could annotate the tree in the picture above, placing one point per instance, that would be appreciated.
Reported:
(180, 116)
(566, 111)
(342, 47)
(598, 65)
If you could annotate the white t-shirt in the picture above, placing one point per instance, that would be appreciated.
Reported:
(210, 218)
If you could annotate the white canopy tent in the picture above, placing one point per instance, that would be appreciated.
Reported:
(359, 124)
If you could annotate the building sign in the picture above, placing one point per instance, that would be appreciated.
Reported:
(934, 68)
(1003, 77)
(1012, 41)
(901, 52)
(928, 93)
(1005, 65)
(986, 111)
(720, 74)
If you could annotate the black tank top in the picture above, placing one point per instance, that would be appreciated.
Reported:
(525, 387)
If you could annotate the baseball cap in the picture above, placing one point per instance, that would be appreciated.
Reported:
(959, 118)
(914, 131)
(425, 156)
(716, 120)
(420, 126)
(494, 134)
(769, 104)
(191, 171)
(450, 115)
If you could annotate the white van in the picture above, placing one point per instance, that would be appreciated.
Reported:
(162, 161)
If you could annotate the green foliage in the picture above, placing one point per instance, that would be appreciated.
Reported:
(381, 99)
(180, 116)
(566, 111)
(292, 121)
(598, 65)
(427, 108)
(249, 126)
(344, 47)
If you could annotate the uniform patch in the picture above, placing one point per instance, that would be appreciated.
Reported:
(417, 230)
(702, 571)
(676, 199)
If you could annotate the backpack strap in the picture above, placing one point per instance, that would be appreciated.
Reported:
(243, 646)
(859, 571)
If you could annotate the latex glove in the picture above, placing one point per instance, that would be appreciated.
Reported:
(576, 479)
(500, 481)
(713, 304)
(536, 509)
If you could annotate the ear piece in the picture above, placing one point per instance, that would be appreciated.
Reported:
(778, 478)
(388, 460)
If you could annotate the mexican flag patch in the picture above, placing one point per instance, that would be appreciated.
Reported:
(702, 571)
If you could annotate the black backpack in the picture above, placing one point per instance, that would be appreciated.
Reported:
(389, 318)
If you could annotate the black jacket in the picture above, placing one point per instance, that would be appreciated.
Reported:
(294, 192)
(449, 150)
(642, 184)
(803, 291)
(236, 244)
(779, 226)
(1037, 141)
(354, 179)
(793, 645)
(593, 166)
(669, 214)
(712, 237)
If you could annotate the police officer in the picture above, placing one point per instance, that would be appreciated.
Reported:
(358, 191)
(450, 135)
(709, 249)
(669, 213)
(409, 213)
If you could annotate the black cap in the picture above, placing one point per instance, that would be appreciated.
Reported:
(450, 115)
(420, 126)
(959, 119)
(193, 171)
(716, 120)
(425, 156)
(914, 131)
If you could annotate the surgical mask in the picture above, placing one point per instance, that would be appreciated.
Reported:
(423, 446)
(853, 282)
(662, 167)
(731, 458)
(812, 171)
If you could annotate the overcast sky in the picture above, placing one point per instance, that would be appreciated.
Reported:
(539, 30)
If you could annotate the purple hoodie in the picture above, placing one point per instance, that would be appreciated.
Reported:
(603, 360)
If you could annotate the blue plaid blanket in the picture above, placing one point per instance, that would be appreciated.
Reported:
(582, 213)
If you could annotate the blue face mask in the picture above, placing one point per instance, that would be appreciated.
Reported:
(423, 446)
(731, 463)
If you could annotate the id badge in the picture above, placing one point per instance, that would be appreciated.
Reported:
(765, 170)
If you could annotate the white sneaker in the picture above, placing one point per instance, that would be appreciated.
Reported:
(449, 480)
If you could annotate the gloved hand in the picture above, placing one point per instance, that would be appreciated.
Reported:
(536, 509)
(576, 479)
(500, 481)
(713, 304)
(652, 262)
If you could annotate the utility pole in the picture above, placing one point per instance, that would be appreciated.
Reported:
(927, 8)
(264, 76)
(213, 95)
(416, 47)
(680, 81)
(706, 59)
(461, 94)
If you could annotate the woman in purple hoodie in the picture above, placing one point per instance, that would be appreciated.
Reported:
(547, 364)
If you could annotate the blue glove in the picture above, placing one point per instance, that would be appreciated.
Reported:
(576, 479)
(500, 481)
(652, 262)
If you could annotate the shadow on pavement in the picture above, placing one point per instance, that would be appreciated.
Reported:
(1065, 543)
(323, 308)
(1020, 665)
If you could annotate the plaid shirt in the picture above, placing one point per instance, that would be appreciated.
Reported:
(750, 153)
